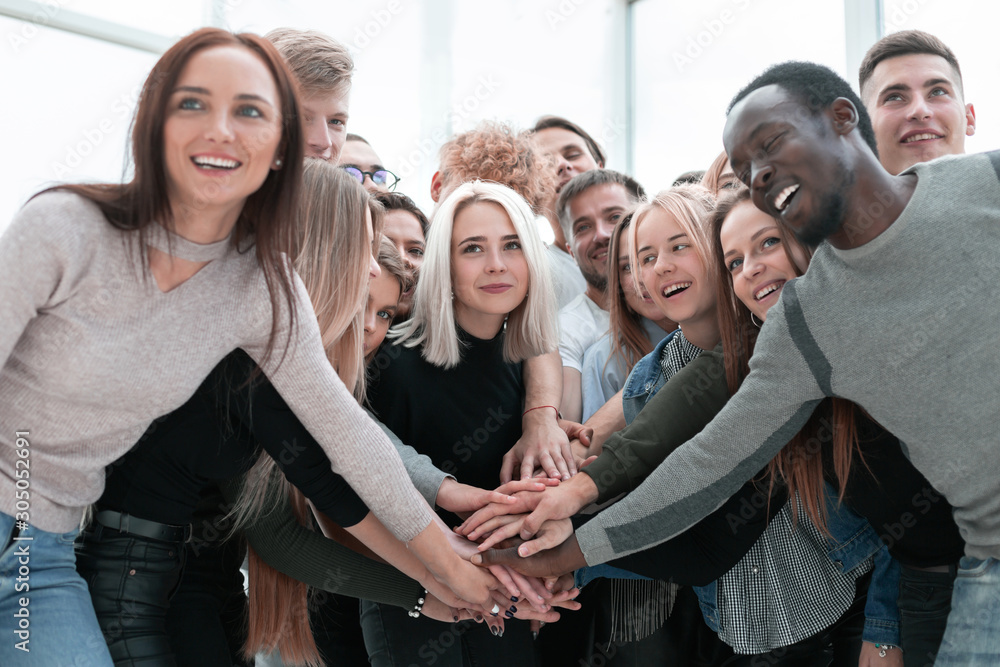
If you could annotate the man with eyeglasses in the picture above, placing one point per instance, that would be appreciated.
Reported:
(359, 159)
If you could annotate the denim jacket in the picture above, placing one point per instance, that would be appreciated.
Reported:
(851, 543)
(644, 381)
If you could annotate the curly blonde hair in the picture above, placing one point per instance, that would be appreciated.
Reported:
(497, 152)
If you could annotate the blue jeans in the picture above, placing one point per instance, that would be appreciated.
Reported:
(972, 638)
(47, 617)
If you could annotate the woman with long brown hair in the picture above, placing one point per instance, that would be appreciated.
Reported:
(117, 300)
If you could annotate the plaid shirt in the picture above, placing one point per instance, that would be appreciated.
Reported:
(784, 589)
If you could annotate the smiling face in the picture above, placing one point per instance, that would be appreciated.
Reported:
(324, 124)
(489, 272)
(756, 258)
(222, 130)
(593, 214)
(383, 297)
(675, 274)
(792, 160)
(915, 102)
(569, 150)
(636, 296)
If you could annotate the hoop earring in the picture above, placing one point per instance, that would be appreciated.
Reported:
(756, 322)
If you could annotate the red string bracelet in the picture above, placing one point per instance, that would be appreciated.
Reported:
(539, 407)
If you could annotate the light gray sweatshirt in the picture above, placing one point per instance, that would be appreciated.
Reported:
(905, 325)
(91, 352)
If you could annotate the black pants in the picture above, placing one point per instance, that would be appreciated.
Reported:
(396, 640)
(207, 619)
(131, 580)
(159, 605)
(924, 603)
(336, 625)
(683, 639)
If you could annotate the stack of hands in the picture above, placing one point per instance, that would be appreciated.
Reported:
(519, 533)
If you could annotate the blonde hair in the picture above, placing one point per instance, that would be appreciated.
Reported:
(320, 64)
(331, 256)
(712, 180)
(331, 253)
(690, 206)
(530, 328)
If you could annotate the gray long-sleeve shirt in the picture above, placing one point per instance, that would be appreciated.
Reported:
(91, 352)
(905, 326)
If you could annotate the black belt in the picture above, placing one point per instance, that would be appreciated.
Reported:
(133, 525)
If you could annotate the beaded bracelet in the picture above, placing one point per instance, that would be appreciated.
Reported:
(882, 648)
(419, 607)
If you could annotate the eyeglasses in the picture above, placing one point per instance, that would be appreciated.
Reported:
(382, 177)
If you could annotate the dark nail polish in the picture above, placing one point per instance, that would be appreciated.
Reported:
(513, 599)
(509, 614)
(534, 634)
(479, 618)
(456, 618)
(494, 615)
(493, 630)
(500, 634)
(513, 609)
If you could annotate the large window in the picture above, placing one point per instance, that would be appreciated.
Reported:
(425, 69)
(68, 104)
(649, 78)
(690, 58)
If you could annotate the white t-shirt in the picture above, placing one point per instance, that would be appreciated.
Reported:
(603, 375)
(567, 281)
(581, 323)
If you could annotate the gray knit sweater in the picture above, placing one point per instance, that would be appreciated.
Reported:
(92, 352)
(906, 326)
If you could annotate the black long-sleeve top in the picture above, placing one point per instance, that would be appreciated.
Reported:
(715, 544)
(464, 418)
(911, 517)
(215, 436)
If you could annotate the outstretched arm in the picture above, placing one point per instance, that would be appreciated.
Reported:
(772, 405)
(674, 415)
(320, 562)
